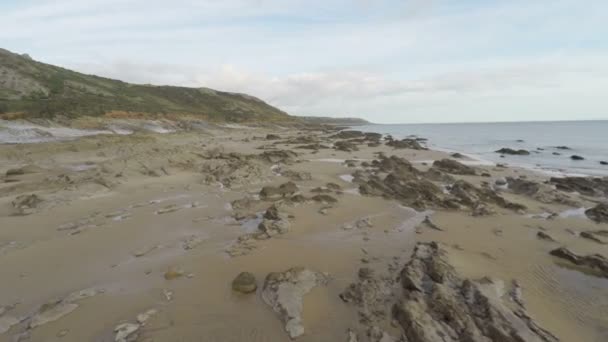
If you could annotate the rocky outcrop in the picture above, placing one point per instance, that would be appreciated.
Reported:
(471, 196)
(345, 146)
(590, 186)
(454, 167)
(438, 305)
(599, 236)
(594, 262)
(284, 293)
(506, 150)
(371, 295)
(411, 144)
(522, 186)
(599, 213)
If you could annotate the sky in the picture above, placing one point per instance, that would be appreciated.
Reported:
(388, 61)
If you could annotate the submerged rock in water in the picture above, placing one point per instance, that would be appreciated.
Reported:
(438, 305)
(506, 150)
(594, 262)
(576, 157)
(245, 282)
(454, 167)
(284, 292)
(599, 213)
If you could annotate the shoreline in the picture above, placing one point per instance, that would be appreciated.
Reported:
(126, 224)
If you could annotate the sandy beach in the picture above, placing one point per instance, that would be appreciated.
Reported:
(139, 238)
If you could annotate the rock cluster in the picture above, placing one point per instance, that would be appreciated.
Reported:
(590, 186)
(599, 213)
(594, 262)
(454, 167)
(438, 305)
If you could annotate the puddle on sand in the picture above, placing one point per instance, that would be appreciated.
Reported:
(251, 225)
(347, 178)
(411, 223)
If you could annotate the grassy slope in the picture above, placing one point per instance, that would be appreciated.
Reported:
(42, 90)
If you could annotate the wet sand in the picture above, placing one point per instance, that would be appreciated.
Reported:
(118, 212)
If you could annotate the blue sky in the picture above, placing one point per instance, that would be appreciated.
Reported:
(384, 60)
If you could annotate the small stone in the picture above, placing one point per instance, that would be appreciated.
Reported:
(245, 282)
(172, 274)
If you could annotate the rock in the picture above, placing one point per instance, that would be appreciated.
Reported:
(333, 186)
(457, 155)
(599, 236)
(284, 292)
(272, 137)
(270, 228)
(603, 162)
(438, 305)
(245, 282)
(371, 295)
(296, 175)
(143, 317)
(427, 222)
(126, 332)
(599, 213)
(26, 204)
(24, 170)
(562, 147)
(364, 223)
(576, 157)
(411, 144)
(172, 274)
(544, 236)
(277, 156)
(556, 154)
(315, 147)
(345, 146)
(501, 182)
(284, 190)
(454, 167)
(590, 186)
(593, 262)
(323, 198)
(56, 309)
(523, 186)
(506, 150)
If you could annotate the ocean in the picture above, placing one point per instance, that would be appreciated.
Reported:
(588, 139)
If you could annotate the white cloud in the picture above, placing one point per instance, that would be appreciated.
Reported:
(387, 60)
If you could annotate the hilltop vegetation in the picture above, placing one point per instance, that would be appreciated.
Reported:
(31, 89)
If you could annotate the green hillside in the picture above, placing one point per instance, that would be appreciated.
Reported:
(34, 89)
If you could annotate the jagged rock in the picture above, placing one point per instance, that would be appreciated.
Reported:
(599, 213)
(370, 294)
(523, 186)
(576, 157)
(411, 144)
(594, 262)
(126, 332)
(599, 236)
(274, 193)
(284, 292)
(345, 146)
(26, 204)
(437, 305)
(544, 236)
(470, 196)
(590, 186)
(333, 186)
(24, 170)
(323, 198)
(272, 137)
(297, 175)
(506, 150)
(271, 228)
(454, 167)
(245, 282)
